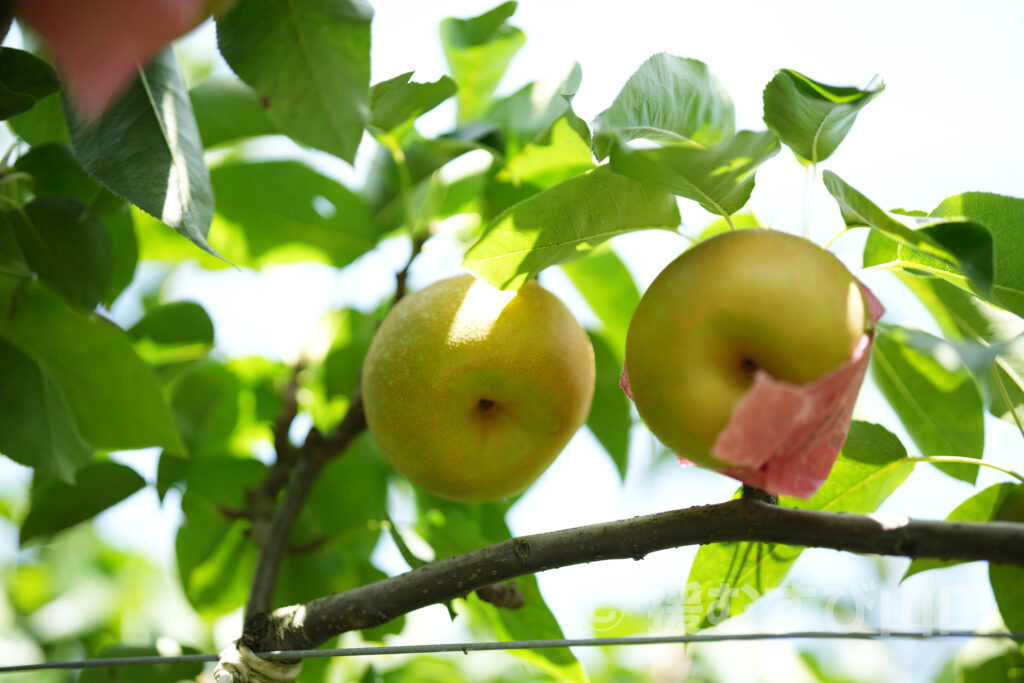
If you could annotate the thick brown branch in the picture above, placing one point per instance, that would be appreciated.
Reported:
(310, 624)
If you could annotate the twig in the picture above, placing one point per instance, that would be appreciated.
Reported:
(310, 624)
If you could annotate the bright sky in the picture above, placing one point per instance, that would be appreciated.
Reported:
(949, 121)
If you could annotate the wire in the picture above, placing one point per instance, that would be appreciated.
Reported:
(466, 648)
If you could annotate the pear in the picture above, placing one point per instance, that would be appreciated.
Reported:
(471, 392)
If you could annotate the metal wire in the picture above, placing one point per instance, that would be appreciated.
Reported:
(466, 648)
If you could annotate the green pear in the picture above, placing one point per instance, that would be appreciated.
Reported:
(734, 304)
(471, 392)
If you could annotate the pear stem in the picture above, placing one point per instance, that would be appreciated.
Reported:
(754, 493)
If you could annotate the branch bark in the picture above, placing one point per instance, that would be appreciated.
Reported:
(311, 624)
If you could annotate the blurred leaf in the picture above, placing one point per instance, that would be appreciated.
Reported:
(740, 221)
(609, 417)
(558, 223)
(227, 110)
(172, 469)
(146, 149)
(1004, 502)
(719, 178)
(113, 394)
(12, 259)
(42, 123)
(24, 79)
(398, 100)
(124, 252)
(812, 118)
(178, 322)
(933, 395)
(310, 64)
(57, 505)
(274, 205)
(341, 366)
(528, 115)
(478, 51)
(668, 100)
(155, 673)
(55, 171)
(65, 246)
(954, 248)
(607, 285)
(214, 555)
(1002, 216)
(965, 318)
(1007, 583)
(726, 578)
(984, 660)
(37, 427)
(205, 403)
(452, 528)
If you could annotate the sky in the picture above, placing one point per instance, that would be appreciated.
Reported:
(949, 121)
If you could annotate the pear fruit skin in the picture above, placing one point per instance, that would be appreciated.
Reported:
(727, 307)
(471, 392)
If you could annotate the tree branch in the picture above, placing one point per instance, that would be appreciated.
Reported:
(313, 623)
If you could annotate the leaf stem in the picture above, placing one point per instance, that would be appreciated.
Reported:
(966, 461)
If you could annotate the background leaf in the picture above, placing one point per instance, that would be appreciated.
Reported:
(44, 122)
(478, 51)
(24, 79)
(281, 211)
(669, 99)
(66, 247)
(147, 150)
(57, 505)
(608, 288)
(932, 394)
(310, 64)
(719, 178)
(957, 249)
(55, 171)
(555, 224)
(726, 578)
(177, 322)
(112, 393)
(227, 110)
(1002, 216)
(812, 118)
(609, 419)
(37, 427)
(399, 100)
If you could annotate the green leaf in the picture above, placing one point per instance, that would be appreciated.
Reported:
(12, 259)
(37, 427)
(124, 249)
(398, 100)
(608, 288)
(342, 363)
(999, 502)
(228, 110)
(812, 118)
(113, 394)
(991, 332)
(1002, 216)
(57, 505)
(155, 673)
(718, 178)
(205, 403)
(955, 248)
(282, 211)
(55, 171)
(215, 557)
(558, 223)
(933, 395)
(609, 417)
(65, 246)
(310, 64)
(727, 577)
(984, 660)
(1007, 583)
(668, 100)
(45, 122)
(147, 150)
(528, 115)
(178, 322)
(478, 51)
(24, 80)
(452, 528)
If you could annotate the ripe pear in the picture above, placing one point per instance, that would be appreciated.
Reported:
(734, 304)
(471, 392)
